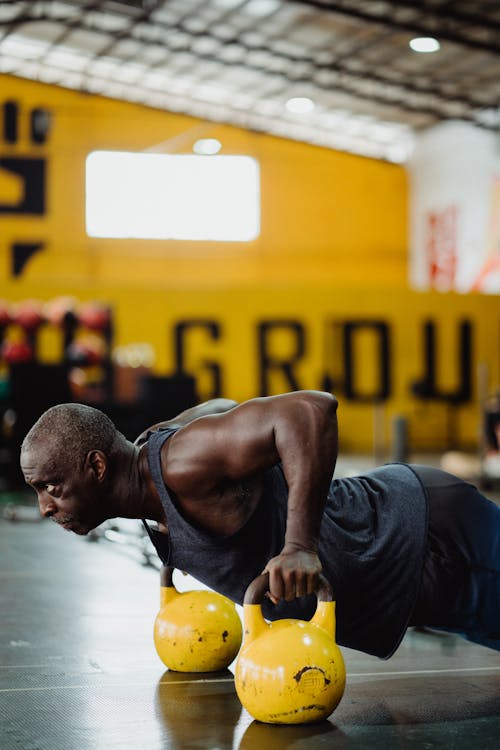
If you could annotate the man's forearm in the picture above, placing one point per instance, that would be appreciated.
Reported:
(308, 464)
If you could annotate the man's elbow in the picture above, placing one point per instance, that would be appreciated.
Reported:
(328, 402)
(322, 403)
(332, 401)
(331, 410)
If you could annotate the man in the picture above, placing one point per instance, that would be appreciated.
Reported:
(238, 489)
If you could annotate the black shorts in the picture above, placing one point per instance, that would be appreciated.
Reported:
(460, 585)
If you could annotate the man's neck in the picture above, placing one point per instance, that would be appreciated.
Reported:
(150, 505)
(131, 492)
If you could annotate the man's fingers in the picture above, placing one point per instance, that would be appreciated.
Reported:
(271, 598)
(290, 586)
(291, 578)
(312, 583)
(298, 584)
(301, 584)
(276, 586)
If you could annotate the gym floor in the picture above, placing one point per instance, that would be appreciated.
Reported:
(78, 669)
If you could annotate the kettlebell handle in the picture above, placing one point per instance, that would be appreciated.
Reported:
(166, 576)
(258, 588)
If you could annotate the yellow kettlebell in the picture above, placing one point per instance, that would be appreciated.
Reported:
(289, 671)
(195, 631)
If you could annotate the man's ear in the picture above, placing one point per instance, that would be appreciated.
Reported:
(97, 462)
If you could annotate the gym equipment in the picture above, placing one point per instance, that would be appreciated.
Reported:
(61, 311)
(94, 315)
(29, 315)
(289, 671)
(86, 350)
(17, 351)
(169, 394)
(5, 313)
(195, 631)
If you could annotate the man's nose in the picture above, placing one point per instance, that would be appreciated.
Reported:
(47, 506)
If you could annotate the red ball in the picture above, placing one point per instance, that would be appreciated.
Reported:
(29, 315)
(15, 352)
(94, 316)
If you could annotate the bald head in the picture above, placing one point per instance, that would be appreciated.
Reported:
(79, 465)
(70, 431)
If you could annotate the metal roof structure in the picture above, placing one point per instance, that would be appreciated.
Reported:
(348, 63)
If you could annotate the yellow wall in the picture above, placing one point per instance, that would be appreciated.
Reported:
(333, 246)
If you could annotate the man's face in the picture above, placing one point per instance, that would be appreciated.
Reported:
(70, 497)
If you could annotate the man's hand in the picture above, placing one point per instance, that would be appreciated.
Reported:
(292, 573)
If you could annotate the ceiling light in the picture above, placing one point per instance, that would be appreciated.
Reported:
(207, 146)
(261, 7)
(424, 44)
(227, 3)
(300, 105)
(24, 47)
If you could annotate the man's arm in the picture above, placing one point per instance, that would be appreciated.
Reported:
(297, 429)
(214, 406)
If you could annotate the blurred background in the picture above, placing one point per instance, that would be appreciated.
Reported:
(238, 198)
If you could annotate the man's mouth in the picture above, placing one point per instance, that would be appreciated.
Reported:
(66, 523)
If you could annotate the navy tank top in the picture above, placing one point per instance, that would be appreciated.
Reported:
(372, 545)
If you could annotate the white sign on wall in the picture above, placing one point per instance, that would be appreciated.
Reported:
(455, 210)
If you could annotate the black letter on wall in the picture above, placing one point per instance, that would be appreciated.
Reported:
(180, 333)
(269, 363)
(32, 173)
(350, 328)
(426, 387)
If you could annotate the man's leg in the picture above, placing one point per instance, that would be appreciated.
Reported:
(460, 590)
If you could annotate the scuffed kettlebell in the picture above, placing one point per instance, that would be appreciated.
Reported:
(289, 671)
(195, 631)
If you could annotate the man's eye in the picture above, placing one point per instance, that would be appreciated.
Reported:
(50, 488)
